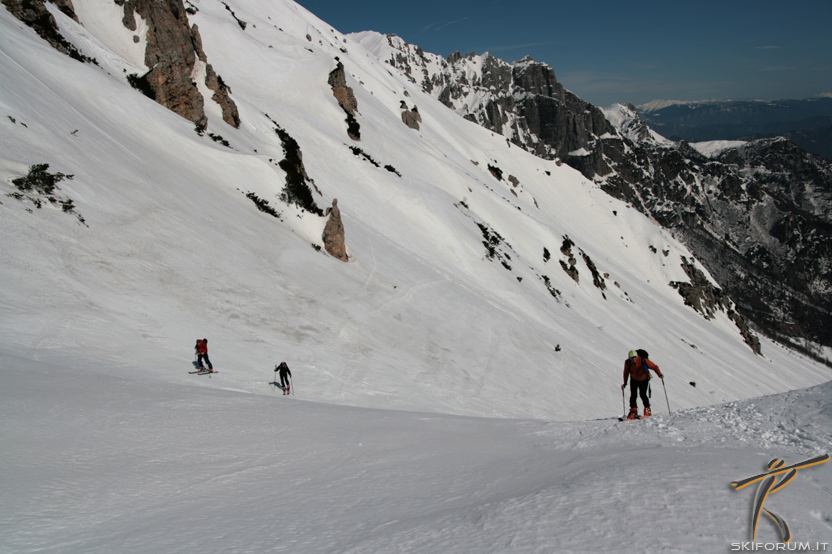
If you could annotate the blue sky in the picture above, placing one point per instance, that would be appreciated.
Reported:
(624, 51)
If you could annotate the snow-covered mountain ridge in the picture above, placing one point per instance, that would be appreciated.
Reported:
(787, 294)
(521, 101)
(482, 280)
(756, 213)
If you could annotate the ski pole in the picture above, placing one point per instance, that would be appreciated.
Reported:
(292, 383)
(665, 397)
(623, 405)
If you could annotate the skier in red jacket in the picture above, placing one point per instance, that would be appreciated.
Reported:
(202, 352)
(637, 368)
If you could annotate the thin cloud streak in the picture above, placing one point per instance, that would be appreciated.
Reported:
(439, 26)
(519, 46)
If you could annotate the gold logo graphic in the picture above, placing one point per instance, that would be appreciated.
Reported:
(768, 486)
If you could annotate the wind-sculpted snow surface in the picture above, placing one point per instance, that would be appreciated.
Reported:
(94, 464)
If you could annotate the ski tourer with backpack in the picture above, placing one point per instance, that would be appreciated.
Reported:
(637, 370)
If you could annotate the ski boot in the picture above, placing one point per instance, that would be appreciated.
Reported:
(647, 412)
(633, 413)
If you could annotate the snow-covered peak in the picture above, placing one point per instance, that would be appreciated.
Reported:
(714, 148)
(625, 118)
(656, 105)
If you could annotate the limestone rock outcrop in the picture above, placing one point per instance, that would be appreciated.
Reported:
(411, 118)
(346, 99)
(333, 236)
(173, 48)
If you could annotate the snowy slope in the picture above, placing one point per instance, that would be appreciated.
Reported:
(421, 318)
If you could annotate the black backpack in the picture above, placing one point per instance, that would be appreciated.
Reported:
(644, 355)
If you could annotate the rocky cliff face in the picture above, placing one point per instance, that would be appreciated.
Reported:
(173, 50)
(522, 101)
(34, 14)
(757, 216)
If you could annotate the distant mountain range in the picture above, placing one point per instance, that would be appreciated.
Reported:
(807, 123)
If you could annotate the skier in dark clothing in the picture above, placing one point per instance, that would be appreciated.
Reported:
(202, 353)
(637, 368)
(285, 373)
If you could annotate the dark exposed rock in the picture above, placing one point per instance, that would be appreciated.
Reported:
(222, 96)
(343, 94)
(569, 265)
(297, 189)
(263, 205)
(496, 247)
(66, 7)
(496, 172)
(346, 99)
(239, 21)
(757, 217)
(34, 14)
(701, 295)
(41, 188)
(597, 279)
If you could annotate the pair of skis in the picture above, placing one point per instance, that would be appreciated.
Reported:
(203, 372)
(625, 418)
